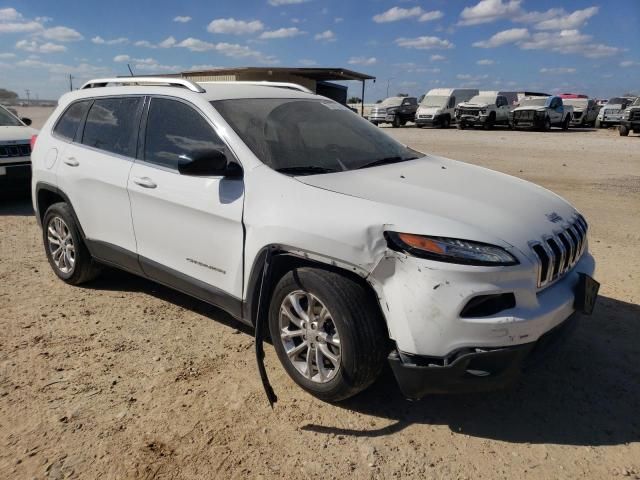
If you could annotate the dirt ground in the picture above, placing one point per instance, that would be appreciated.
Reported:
(123, 378)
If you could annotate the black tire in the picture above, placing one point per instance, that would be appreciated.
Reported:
(623, 130)
(396, 122)
(460, 126)
(84, 266)
(547, 125)
(361, 328)
(488, 125)
(446, 122)
(598, 124)
(375, 123)
(565, 124)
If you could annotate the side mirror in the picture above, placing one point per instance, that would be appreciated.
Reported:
(26, 121)
(208, 163)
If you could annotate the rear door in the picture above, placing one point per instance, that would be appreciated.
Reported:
(188, 228)
(94, 169)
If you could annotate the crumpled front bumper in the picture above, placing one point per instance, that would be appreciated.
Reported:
(473, 370)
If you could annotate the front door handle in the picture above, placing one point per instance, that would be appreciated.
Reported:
(145, 182)
(71, 161)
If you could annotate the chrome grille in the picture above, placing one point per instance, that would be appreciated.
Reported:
(469, 111)
(635, 114)
(558, 253)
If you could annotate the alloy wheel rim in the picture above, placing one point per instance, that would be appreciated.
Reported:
(61, 246)
(309, 336)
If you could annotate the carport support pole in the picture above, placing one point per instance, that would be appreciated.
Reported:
(362, 100)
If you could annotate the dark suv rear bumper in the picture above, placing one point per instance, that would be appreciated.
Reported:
(475, 371)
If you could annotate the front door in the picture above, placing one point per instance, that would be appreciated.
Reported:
(188, 228)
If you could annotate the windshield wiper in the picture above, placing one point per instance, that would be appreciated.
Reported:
(387, 161)
(305, 170)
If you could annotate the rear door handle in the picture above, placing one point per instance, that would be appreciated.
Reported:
(145, 182)
(71, 161)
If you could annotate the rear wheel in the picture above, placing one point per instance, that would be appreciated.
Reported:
(327, 333)
(565, 124)
(623, 130)
(67, 254)
(446, 122)
(488, 125)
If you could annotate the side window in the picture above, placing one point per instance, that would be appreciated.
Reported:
(413, 102)
(501, 102)
(554, 103)
(452, 102)
(175, 132)
(112, 125)
(67, 125)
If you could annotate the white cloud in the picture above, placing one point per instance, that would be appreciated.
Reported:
(144, 43)
(411, 67)
(282, 33)
(558, 70)
(34, 46)
(624, 63)
(487, 11)
(338, 20)
(437, 58)
(98, 40)
(81, 71)
(61, 34)
(485, 61)
(468, 80)
(278, 3)
(234, 27)
(121, 58)
(397, 13)
(9, 14)
(182, 19)
(205, 66)
(430, 16)
(568, 21)
(7, 55)
(326, 36)
(363, 61)
(156, 67)
(502, 38)
(303, 61)
(167, 42)
(228, 49)
(424, 43)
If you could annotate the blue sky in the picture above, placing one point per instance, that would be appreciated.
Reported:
(412, 46)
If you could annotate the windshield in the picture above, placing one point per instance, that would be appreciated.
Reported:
(636, 102)
(302, 136)
(437, 101)
(533, 102)
(576, 102)
(7, 119)
(483, 99)
(391, 102)
(617, 101)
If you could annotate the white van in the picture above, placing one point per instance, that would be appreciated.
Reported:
(438, 105)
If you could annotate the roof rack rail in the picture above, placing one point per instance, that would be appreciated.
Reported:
(162, 81)
(260, 83)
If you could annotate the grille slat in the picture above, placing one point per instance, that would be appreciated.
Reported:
(16, 150)
(558, 254)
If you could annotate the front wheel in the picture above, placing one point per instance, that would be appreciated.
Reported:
(327, 332)
(547, 124)
(396, 122)
(623, 130)
(565, 124)
(446, 122)
(598, 124)
(67, 254)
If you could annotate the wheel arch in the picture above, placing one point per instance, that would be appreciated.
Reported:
(47, 195)
(284, 260)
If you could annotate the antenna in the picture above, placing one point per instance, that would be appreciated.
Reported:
(130, 71)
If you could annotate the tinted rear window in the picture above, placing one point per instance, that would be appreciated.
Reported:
(67, 126)
(112, 125)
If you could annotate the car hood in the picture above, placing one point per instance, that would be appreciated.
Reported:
(537, 109)
(438, 196)
(473, 105)
(11, 134)
(429, 110)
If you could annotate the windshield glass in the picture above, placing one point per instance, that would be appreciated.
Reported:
(617, 101)
(636, 102)
(533, 102)
(7, 119)
(437, 101)
(391, 102)
(576, 102)
(483, 99)
(306, 136)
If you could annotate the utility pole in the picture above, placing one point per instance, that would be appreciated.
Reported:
(28, 92)
(70, 83)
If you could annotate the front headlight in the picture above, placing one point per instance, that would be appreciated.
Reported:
(451, 250)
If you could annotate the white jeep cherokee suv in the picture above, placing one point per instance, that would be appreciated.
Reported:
(288, 210)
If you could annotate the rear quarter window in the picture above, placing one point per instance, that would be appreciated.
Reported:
(112, 125)
(69, 121)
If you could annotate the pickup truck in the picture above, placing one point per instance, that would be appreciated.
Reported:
(631, 119)
(394, 110)
(487, 109)
(541, 113)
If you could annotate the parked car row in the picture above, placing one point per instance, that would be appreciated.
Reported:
(468, 108)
